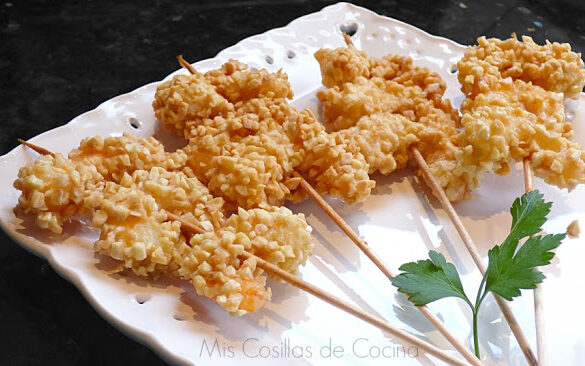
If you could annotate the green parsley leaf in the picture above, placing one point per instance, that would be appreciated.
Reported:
(427, 280)
(506, 275)
(508, 270)
(528, 215)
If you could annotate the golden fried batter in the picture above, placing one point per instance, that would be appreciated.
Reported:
(345, 65)
(344, 106)
(134, 231)
(363, 92)
(180, 193)
(236, 83)
(248, 151)
(553, 66)
(114, 156)
(510, 116)
(342, 65)
(53, 189)
(275, 235)
(216, 272)
(332, 166)
(247, 173)
(187, 98)
(383, 138)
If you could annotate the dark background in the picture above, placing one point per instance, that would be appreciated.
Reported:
(61, 58)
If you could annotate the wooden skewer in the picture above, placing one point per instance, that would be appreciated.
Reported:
(39, 149)
(440, 194)
(471, 247)
(315, 291)
(447, 206)
(528, 180)
(538, 303)
(363, 246)
(186, 65)
(325, 296)
(467, 354)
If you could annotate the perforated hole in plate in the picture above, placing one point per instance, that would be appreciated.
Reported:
(570, 115)
(179, 317)
(388, 37)
(349, 29)
(290, 54)
(269, 60)
(453, 69)
(134, 123)
(142, 298)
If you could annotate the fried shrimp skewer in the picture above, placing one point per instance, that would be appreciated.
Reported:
(515, 88)
(245, 140)
(514, 108)
(351, 309)
(131, 215)
(393, 86)
(294, 129)
(387, 106)
(54, 186)
(245, 283)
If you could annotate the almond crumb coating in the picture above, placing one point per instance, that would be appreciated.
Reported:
(345, 65)
(246, 155)
(236, 83)
(403, 71)
(114, 156)
(96, 159)
(331, 166)
(53, 189)
(179, 193)
(276, 235)
(247, 173)
(553, 66)
(383, 138)
(135, 231)
(343, 106)
(342, 65)
(187, 98)
(393, 86)
(511, 119)
(573, 229)
(216, 272)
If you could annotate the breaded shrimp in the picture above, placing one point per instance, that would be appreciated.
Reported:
(248, 152)
(514, 110)
(362, 92)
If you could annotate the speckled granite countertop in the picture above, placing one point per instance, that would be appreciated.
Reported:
(59, 59)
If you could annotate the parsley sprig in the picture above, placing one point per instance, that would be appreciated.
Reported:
(509, 270)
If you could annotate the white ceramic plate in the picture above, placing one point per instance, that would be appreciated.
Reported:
(397, 221)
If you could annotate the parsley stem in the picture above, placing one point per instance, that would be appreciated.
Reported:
(481, 293)
(475, 335)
